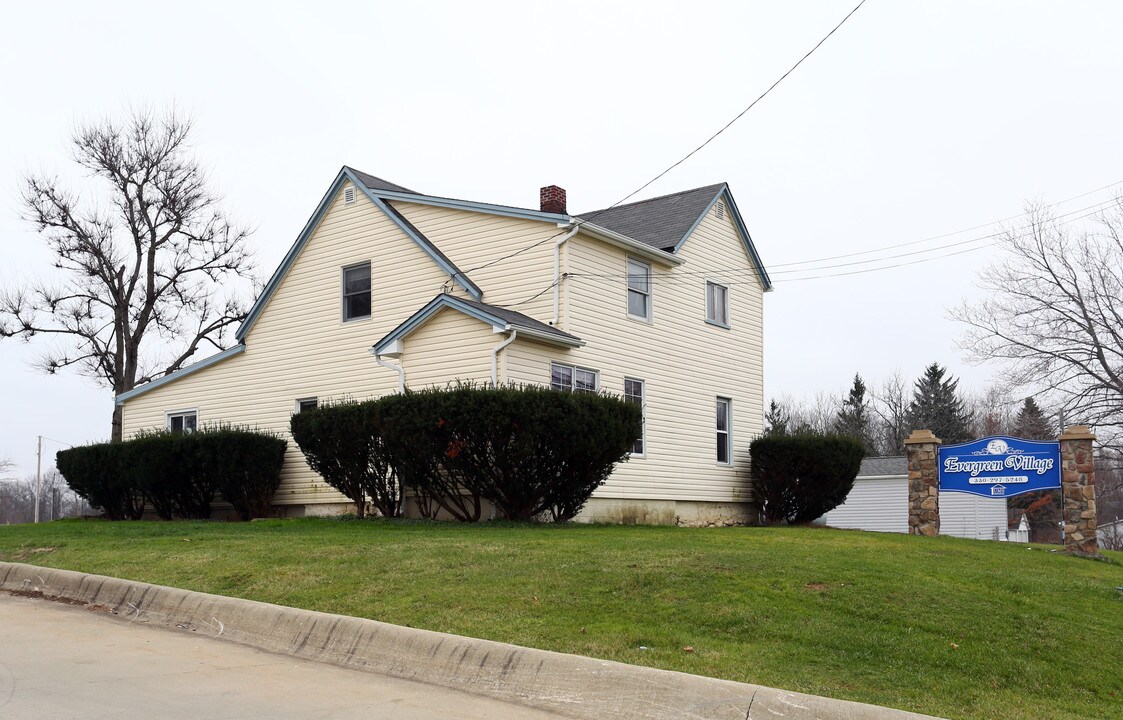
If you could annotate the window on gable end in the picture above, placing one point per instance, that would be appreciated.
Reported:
(356, 292)
(634, 393)
(717, 304)
(639, 290)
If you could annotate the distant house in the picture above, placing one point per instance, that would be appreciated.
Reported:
(658, 301)
(1109, 535)
(879, 502)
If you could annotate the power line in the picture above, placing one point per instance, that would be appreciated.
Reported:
(950, 234)
(680, 161)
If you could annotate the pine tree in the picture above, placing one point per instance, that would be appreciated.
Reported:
(1032, 424)
(936, 406)
(854, 416)
(776, 420)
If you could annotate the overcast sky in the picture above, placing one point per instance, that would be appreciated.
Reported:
(915, 120)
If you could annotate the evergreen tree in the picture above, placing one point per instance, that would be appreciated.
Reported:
(854, 416)
(776, 420)
(936, 405)
(1032, 424)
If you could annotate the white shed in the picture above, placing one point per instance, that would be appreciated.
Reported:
(880, 497)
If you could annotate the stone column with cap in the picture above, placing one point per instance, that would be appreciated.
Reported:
(1078, 489)
(924, 484)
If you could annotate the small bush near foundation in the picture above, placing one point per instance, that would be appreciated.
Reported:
(798, 478)
(531, 451)
(344, 444)
(94, 472)
(244, 465)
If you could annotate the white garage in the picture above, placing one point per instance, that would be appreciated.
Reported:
(879, 502)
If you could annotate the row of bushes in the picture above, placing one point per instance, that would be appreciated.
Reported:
(177, 474)
(532, 452)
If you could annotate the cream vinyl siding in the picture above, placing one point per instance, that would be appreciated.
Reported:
(472, 239)
(300, 347)
(685, 362)
(449, 346)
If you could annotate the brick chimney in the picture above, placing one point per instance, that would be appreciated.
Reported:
(552, 199)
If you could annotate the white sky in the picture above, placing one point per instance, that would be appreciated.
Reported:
(914, 120)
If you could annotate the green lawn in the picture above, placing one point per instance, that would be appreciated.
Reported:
(959, 628)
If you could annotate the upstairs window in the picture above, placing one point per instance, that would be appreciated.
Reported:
(639, 290)
(717, 304)
(356, 292)
(634, 393)
(573, 379)
(184, 421)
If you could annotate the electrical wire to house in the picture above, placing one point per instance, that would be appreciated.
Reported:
(680, 161)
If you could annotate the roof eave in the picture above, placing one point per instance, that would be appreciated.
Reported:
(171, 377)
(633, 247)
(739, 222)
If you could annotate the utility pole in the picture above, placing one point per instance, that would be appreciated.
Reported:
(38, 475)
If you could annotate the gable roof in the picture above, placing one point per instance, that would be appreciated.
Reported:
(347, 174)
(377, 183)
(665, 222)
(661, 222)
(500, 318)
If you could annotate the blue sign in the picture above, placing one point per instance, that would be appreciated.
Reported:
(999, 467)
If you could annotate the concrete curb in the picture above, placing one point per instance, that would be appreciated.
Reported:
(570, 685)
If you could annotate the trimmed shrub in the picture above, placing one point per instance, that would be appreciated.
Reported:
(797, 478)
(177, 474)
(245, 467)
(94, 472)
(529, 450)
(343, 443)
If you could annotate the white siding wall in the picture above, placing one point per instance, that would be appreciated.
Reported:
(451, 346)
(880, 504)
(299, 347)
(685, 363)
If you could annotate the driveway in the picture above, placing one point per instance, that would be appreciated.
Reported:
(61, 661)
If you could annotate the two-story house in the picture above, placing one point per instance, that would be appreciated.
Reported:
(659, 301)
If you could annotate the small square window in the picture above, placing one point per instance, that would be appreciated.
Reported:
(356, 292)
(639, 290)
(717, 304)
(186, 421)
(307, 404)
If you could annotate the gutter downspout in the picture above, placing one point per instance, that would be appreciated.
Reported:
(398, 368)
(495, 356)
(557, 270)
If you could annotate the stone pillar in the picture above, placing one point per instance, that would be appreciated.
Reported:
(1078, 489)
(924, 484)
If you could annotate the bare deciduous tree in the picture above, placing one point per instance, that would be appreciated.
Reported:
(891, 405)
(146, 263)
(1054, 315)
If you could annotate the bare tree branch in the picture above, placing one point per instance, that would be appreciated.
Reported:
(149, 259)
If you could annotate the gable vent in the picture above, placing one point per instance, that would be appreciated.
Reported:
(719, 210)
(349, 195)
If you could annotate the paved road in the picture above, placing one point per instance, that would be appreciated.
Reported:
(60, 661)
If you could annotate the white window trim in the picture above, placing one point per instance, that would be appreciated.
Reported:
(728, 430)
(297, 410)
(650, 318)
(169, 414)
(728, 309)
(573, 376)
(343, 292)
(643, 412)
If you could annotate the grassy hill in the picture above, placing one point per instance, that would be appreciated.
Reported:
(958, 628)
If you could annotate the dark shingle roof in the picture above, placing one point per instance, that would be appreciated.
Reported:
(874, 466)
(517, 320)
(659, 222)
(377, 183)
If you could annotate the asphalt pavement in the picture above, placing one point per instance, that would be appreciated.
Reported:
(67, 661)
